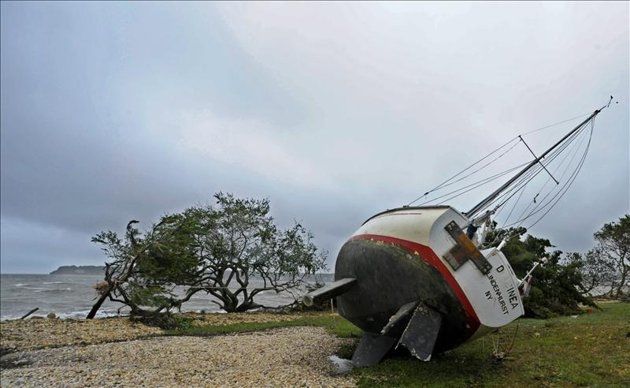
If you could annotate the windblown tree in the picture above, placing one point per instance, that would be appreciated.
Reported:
(597, 273)
(609, 261)
(557, 286)
(237, 241)
(143, 270)
(216, 250)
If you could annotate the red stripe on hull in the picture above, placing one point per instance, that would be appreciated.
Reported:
(431, 258)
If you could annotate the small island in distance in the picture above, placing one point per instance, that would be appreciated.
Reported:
(79, 270)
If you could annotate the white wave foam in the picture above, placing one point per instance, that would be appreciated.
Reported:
(52, 290)
(71, 315)
(83, 313)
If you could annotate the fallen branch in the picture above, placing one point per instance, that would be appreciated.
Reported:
(29, 313)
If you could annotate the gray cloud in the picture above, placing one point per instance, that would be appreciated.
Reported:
(334, 112)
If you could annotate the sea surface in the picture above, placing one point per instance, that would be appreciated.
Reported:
(72, 296)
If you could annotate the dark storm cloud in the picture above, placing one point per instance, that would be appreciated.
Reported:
(334, 112)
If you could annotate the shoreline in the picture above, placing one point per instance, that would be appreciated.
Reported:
(40, 333)
(293, 349)
(115, 351)
(295, 356)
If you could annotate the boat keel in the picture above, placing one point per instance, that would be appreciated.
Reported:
(418, 336)
(372, 348)
(397, 320)
(421, 332)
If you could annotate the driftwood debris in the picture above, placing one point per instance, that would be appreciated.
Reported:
(29, 313)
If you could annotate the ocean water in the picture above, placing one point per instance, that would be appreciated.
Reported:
(72, 296)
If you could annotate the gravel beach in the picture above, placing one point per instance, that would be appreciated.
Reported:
(295, 356)
(36, 333)
(107, 352)
(33, 334)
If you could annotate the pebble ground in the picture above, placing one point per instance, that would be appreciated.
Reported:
(296, 356)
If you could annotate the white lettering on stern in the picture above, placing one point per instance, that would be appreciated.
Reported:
(498, 294)
(512, 297)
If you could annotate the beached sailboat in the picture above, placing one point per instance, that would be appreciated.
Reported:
(419, 276)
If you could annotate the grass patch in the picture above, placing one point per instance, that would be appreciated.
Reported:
(592, 349)
(333, 323)
(589, 350)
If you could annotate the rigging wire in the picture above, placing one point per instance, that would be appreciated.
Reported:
(529, 176)
(571, 179)
(572, 154)
(515, 187)
(542, 205)
(450, 181)
(515, 203)
(521, 182)
(475, 185)
(482, 167)
(482, 181)
(578, 129)
(550, 205)
(498, 212)
(518, 186)
(554, 124)
(446, 182)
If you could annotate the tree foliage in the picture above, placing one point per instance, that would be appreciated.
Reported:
(557, 286)
(597, 273)
(608, 264)
(232, 251)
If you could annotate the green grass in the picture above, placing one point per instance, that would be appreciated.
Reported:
(590, 350)
(333, 323)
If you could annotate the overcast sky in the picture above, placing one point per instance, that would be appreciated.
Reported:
(119, 111)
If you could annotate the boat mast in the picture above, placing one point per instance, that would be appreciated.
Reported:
(497, 192)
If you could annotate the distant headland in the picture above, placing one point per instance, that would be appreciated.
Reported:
(79, 270)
